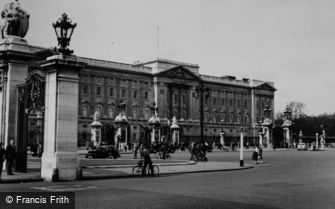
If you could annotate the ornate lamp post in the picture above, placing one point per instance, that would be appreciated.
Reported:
(120, 122)
(287, 125)
(222, 134)
(241, 146)
(323, 138)
(154, 122)
(168, 126)
(267, 123)
(64, 29)
(200, 92)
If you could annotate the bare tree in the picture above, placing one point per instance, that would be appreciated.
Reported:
(298, 109)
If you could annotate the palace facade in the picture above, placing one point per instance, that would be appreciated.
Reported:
(229, 104)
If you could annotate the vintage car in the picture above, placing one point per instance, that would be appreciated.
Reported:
(301, 146)
(106, 151)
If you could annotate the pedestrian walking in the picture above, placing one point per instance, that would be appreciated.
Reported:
(255, 154)
(260, 154)
(2, 157)
(10, 156)
(137, 147)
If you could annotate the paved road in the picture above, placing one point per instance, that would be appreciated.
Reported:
(287, 179)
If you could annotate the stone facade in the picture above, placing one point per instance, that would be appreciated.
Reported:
(229, 103)
(172, 85)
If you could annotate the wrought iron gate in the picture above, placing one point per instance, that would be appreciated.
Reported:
(30, 98)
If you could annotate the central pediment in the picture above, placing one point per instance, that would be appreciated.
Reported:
(179, 72)
(266, 86)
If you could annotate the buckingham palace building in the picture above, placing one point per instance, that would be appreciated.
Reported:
(173, 89)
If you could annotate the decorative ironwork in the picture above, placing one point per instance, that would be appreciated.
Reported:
(30, 100)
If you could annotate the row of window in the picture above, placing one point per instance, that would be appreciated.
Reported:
(229, 94)
(230, 102)
(112, 90)
(229, 119)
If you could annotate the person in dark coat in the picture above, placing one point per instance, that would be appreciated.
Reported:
(147, 160)
(2, 157)
(10, 156)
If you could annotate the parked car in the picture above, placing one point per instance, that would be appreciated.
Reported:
(301, 146)
(106, 151)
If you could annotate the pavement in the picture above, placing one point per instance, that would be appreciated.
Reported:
(122, 168)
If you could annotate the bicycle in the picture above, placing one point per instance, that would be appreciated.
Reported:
(137, 169)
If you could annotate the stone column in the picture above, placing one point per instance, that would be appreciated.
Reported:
(14, 61)
(60, 156)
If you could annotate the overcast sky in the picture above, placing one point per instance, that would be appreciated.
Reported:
(288, 42)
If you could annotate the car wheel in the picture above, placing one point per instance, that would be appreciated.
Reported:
(89, 157)
(110, 157)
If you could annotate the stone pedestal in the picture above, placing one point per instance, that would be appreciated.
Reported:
(287, 132)
(14, 61)
(60, 156)
(117, 135)
(267, 130)
(260, 142)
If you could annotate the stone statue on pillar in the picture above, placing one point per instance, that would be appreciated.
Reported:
(96, 131)
(15, 20)
(175, 130)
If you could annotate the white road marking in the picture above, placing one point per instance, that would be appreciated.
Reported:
(64, 188)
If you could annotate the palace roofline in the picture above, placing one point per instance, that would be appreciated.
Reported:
(147, 67)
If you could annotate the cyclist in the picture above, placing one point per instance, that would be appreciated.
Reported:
(147, 160)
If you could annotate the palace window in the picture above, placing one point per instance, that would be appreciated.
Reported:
(239, 119)
(85, 89)
(111, 111)
(111, 91)
(135, 94)
(99, 108)
(135, 111)
(184, 115)
(146, 95)
(231, 118)
(206, 117)
(98, 90)
(246, 119)
(222, 102)
(214, 101)
(123, 93)
(230, 102)
(174, 98)
(206, 100)
(146, 114)
(85, 110)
